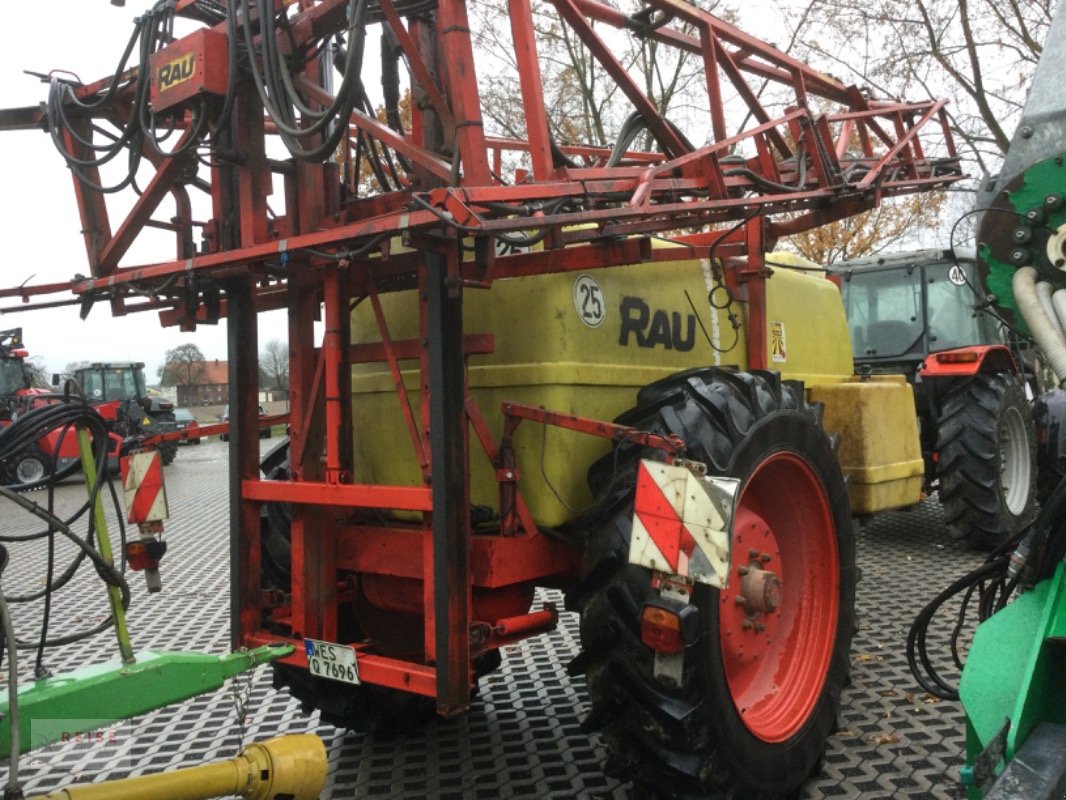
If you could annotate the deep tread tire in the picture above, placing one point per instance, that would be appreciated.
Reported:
(987, 460)
(691, 740)
(34, 462)
(363, 709)
(168, 451)
(27, 470)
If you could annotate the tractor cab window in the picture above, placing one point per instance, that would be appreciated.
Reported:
(884, 309)
(12, 376)
(122, 384)
(102, 385)
(951, 299)
(92, 384)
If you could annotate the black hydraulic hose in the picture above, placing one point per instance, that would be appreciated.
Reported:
(278, 95)
(926, 674)
(1018, 564)
(28, 427)
(152, 30)
(107, 571)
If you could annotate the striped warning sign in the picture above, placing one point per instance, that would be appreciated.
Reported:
(142, 485)
(682, 522)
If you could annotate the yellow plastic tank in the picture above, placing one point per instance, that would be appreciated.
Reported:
(879, 449)
(584, 344)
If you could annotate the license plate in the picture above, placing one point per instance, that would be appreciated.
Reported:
(334, 661)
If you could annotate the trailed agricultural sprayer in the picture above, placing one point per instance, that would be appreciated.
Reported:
(450, 443)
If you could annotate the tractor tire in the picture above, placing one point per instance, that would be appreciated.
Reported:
(987, 460)
(168, 451)
(362, 709)
(27, 470)
(759, 695)
(30, 470)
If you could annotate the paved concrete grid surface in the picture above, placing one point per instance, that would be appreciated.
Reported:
(522, 738)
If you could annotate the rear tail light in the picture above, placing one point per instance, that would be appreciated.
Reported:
(666, 626)
(144, 554)
(964, 357)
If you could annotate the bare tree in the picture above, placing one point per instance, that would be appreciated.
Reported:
(37, 371)
(892, 225)
(981, 54)
(274, 364)
(183, 366)
(583, 105)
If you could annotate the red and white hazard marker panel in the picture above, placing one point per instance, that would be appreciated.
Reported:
(682, 522)
(142, 485)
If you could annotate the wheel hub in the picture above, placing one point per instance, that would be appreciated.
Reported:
(760, 590)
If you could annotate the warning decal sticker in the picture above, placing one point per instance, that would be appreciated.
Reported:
(778, 345)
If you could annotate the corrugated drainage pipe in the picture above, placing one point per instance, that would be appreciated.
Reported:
(1045, 333)
(1058, 300)
(1044, 294)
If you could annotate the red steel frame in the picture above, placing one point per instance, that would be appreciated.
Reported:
(809, 167)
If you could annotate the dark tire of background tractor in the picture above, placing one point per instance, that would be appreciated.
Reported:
(365, 708)
(31, 470)
(168, 451)
(987, 460)
(27, 470)
(752, 714)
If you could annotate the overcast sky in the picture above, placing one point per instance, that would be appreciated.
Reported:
(39, 223)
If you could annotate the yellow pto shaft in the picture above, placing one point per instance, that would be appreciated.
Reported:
(285, 767)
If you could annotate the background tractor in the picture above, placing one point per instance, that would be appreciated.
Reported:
(118, 392)
(54, 453)
(451, 445)
(923, 315)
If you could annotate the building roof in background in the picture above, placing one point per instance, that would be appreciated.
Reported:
(215, 372)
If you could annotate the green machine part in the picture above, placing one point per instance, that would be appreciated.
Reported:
(133, 684)
(1012, 681)
(101, 694)
(1023, 207)
(1021, 228)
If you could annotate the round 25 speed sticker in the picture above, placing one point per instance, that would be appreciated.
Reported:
(588, 300)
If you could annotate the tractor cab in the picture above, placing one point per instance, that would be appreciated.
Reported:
(14, 379)
(902, 308)
(12, 376)
(104, 383)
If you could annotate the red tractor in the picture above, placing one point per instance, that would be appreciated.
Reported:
(924, 315)
(118, 392)
(52, 452)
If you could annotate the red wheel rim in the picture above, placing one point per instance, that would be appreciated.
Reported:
(776, 661)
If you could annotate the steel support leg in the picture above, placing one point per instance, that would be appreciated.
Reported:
(243, 344)
(451, 559)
